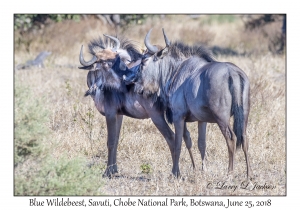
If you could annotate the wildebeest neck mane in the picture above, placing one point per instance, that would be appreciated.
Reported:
(178, 49)
(100, 44)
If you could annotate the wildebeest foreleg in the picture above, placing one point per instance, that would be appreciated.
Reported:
(179, 127)
(188, 143)
(165, 130)
(119, 124)
(169, 136)
(202, 142)
(112, 142)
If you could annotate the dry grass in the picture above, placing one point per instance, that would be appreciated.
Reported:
(79, 130)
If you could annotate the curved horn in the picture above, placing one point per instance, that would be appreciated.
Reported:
(166, 38)
(117, 41)
(151, 48)
(83, 62)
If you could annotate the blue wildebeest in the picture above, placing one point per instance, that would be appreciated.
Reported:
(196, 88)
(113, 98)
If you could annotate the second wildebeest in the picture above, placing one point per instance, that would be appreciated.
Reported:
(113, 98)
(196, 87)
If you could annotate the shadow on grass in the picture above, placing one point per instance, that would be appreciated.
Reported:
(138, 178)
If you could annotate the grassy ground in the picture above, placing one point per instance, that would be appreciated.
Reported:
(71, 158)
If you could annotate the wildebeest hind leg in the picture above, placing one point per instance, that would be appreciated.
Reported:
(245, 146)
(202, 142)
(179, 127)
(231, 143)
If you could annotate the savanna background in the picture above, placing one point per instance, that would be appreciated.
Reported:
(60, 137)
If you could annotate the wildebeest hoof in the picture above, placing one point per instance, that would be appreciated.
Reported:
(251, 176)
(110, 171)
(230, 176)
(176, 174)
(204, 168)
(173, 177)
(106, 175)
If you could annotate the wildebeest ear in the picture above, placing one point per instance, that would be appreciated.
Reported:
(162, 52)
(165, 51)
(86, 67)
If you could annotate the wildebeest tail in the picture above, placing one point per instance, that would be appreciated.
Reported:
(236, 86)
(169, 115)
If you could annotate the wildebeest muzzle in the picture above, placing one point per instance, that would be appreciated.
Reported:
(129, 76)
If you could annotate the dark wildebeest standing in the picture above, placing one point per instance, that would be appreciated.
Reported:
(197, 88)
(113, 98)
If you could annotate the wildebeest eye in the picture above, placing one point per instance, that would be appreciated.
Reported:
(144, 62)
(159, 54)
(144, 56)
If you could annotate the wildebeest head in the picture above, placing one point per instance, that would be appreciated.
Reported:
(148, 76)
(106, 54)
(102, 59)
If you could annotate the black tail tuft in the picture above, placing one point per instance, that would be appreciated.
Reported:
(237, 111)
(238, 124)
(169, 115)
